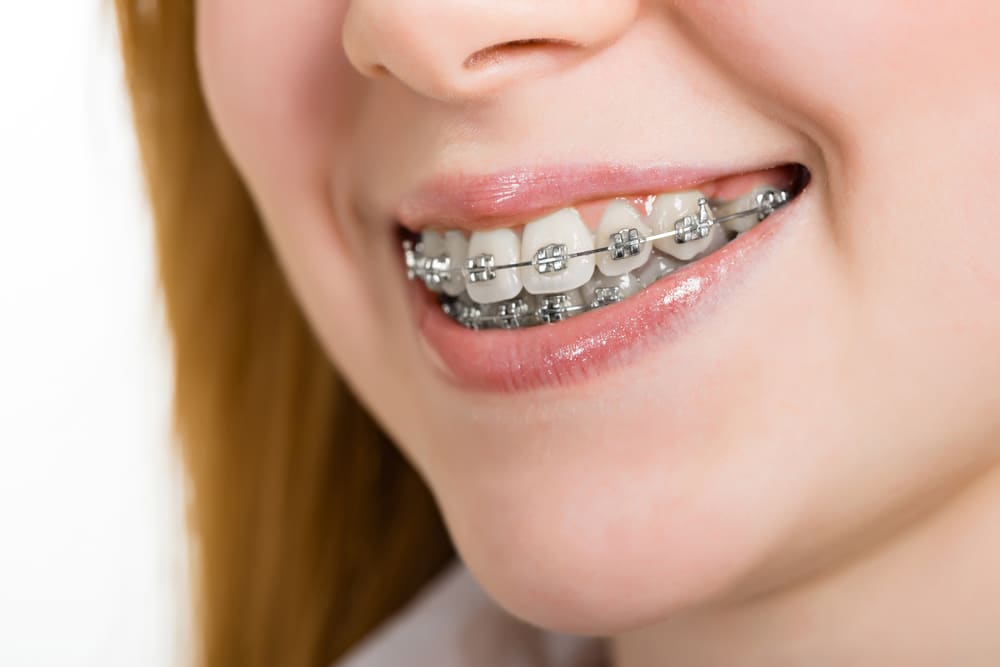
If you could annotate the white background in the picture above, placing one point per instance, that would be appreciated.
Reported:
(91, 559)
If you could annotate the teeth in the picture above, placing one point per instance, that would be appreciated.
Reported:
(558, 307)
(605, 290)
(514, 313)
(547, 240)
(502, 278)
(505, 247)
(744, 203)
(432, 247)
(657, 267)
(455, 246)
(717, 238)
(432, 243)
(617, 217)
(667, 209)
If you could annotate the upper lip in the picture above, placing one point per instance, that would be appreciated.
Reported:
(476, 201)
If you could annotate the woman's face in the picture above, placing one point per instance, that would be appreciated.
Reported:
(754, 417)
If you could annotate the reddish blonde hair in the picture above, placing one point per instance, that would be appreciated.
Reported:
(309, 527)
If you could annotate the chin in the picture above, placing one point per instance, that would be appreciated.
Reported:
(597, 547)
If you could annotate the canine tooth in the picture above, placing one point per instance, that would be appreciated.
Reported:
(504, 245)
(743, 203)
(619, 216)
(657, 267)
(546, 242)
(456, 247)
(716, 239)
(668, 209)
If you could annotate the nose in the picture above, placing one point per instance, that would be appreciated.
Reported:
(458, 49)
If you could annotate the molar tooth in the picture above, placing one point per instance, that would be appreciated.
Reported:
(546, 240)
(504, 245)
(667, 209)
(456, 247)
(743, 203)
(619, 216)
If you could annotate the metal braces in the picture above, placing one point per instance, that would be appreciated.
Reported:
(515, 313)
(555, 257)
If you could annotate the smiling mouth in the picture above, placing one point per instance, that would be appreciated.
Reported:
(556, 267)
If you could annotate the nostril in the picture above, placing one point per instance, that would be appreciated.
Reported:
(498, 53)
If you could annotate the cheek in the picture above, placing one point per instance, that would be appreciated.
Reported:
(282, 96)
(273, 74)
(874, 83)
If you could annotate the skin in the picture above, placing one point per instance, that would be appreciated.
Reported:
(813, 479)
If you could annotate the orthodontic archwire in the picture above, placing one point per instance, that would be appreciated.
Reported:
(554, 257)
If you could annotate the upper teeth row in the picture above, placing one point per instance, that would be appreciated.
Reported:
(557, 253)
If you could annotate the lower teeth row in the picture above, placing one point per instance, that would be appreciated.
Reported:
(532, 309)
(527, 309)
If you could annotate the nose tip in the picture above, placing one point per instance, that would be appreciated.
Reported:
(456, 50)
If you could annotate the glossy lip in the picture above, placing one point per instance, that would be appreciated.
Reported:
(581, 347)
(475, 201)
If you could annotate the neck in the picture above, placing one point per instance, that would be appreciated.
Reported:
(928, 595)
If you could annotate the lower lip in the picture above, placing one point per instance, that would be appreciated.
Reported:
(576, 349)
